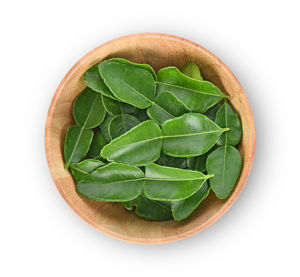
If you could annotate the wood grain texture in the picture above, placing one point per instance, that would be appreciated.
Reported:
(158, 50)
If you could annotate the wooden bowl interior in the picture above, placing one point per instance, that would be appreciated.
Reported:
(159, 51)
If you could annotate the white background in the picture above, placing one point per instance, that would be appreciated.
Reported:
(41, 236)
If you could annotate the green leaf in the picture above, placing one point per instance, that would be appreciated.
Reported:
(197, 163)
(197, 95)
(182, 209)
(128, 205)
(77, 144)
(226, 117)
(166, 106)
(104, 127)
(141, 115)
(226, 164)
(97, 144)
(80, 170)
(88, 110)
(171, 184)
(120, 124)
(192, 70)
(112, 183)
(150, 209)
(139, 146)
(94, 81)
(129, 83)
(142, 65)
(190, 135)
(211, 112)
(115, 107)
(171, 161)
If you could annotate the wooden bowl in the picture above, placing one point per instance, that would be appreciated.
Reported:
(158, 50)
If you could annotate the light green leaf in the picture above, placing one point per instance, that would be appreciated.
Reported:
(190, 135)
(226, 117)
(142, 65)
(94, 81)
(166, 106)
(183, 208)
(129, 83)
(112, 183)
(171, 184)
(115, 107)
(104, 127)
(88, 110)
(139, 146)
(197, 95)
(77, 144)
(120, 124)
(192, 70)
(80, 170)
(226, 164)
(97, 144)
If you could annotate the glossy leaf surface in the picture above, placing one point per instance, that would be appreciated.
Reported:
(120, 124)
(171, 184)
(211, 112)
(170, 161)
(113, 182)
(77, 144)
(142, 65)
(226, 117)
(94, 81)
(115, 107)
(197, 95)
(97, 144)
(166, 106)
(88, 110)
(192, 70)
(182, 209)
(131, 84)
(190, 135)
(140, 146)
(226, 164)
(80, 170)
(151, 209)
(104, 127)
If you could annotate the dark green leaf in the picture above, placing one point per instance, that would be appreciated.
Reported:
(192, 70)
(88, 110)
(77, 144)
(171, 184)
(152, 209)
(190, 135)
(182, 209)
(141, 115)
(226, 117)
(171, 161)
(115, 107)
(94, 81)
(112, 183)
(226, 164)
(140, 146)
(128, 205)
(80, 170)
(197, 163)
(104, 127)
(120, 124)
(197, 95)
(142, 65)
(97, 144)
(131, 84)
(211, 112)
(166, 106)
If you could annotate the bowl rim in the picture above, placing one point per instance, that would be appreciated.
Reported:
(233, 196)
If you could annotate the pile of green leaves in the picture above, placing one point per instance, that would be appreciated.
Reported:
(156, 143)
